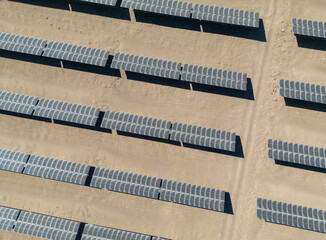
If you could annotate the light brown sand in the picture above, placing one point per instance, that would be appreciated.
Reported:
(255, 121)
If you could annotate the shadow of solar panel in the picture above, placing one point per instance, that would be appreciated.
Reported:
(75, 53)
(102, 2)
(203, 136)
(146, 65)
(136, 124)
(22, 44)
(291, 215)
(125, 182)
(56, 169)
(192, 195)
(46, 226)
(226, 15)
(12, 161)
(302, 91)
(309, 28)
(159, 238)
(214, 77)
(167, 7)
(67, 112)
(19, 103)
(92, 232)
(297, 153)
(7, 218)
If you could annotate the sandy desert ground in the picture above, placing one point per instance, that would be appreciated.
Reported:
(254, 121)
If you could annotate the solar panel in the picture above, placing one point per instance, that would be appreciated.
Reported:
(167, 7)
(102, 2)
(12, 161)
(67, 112)
(226, 15)
(303, 91)
(146, 65)
(22, 44)
(56, 169)
(297, 153)
(8, 218)
(309, 28)
(46, 226)
(203, 136)
(125, 182)
(291, 215)
(75, 53)
(19, 103)
(92, 232)
(192, 195)
(137, 124)
(214, 77)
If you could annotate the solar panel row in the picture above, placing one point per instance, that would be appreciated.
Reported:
(102, 2)
(12, 161)
(8, 218)
(146, 65)
(46, 226)
(115, 180)
(203, 136)
(75, 53)
(50, 227)
(291, 215)
(136, 124)
(214, 77)
(226, 15)
(167, 7)
(186, 133)
(303, 91)
(68, 112)
(22, 44)
(57, 169)
(131, 183)
(19, 103)
(92, 232)
(309, 28)
(172, 70)
(297, 153)
(192, 195)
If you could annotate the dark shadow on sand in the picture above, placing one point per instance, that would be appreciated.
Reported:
(305, 105)
(300, 166)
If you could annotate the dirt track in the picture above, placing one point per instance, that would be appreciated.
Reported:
(254, 120)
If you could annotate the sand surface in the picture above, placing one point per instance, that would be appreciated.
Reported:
(253, 120)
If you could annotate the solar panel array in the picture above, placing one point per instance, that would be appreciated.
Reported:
(226, 15)
(56, 169)
(22, 44)
(12, 161)
(137, 124)
(291, 215)
(214, 77)
(203, 136)
(297, 153)
(303, 91)
(102, 2)
(92, 232)
(146, 65)
(67, 112)
(75, 53)
(309, 28)
(168, 7)
(125, 182)
(19, 103)
(8, 218)
(46, 226)
(192, 195)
